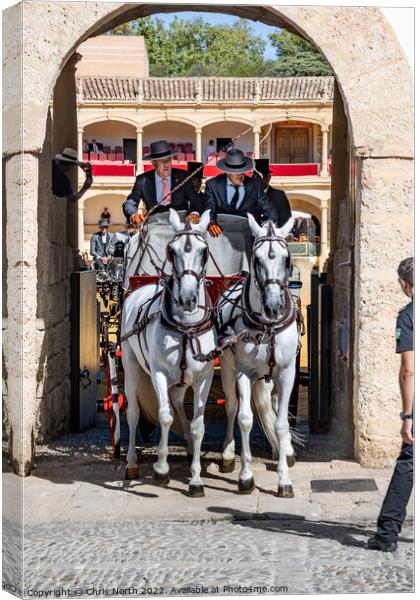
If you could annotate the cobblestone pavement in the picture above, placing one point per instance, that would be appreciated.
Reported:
(87, 529)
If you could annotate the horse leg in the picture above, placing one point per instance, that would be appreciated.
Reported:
(132, 372)
(228, 376)
(201, 392)
(245, 420)
(177, 395)
(161, 467)
(285, 382)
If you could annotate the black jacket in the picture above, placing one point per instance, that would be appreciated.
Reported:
(255, 201)
(279, 200)
(186, 198)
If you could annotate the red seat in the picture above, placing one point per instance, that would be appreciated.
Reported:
(188, 147)
(111, 156)
(85, 156)
(103, 156)
(181, 157)
(120, 155)
(94, 156)
(171, 145)
(181, 147)
(107, 149)
(189, 156)
(118, 149)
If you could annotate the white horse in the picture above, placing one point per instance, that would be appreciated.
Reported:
(165, 328)
(261, 314)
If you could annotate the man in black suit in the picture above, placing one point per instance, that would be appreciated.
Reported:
(154, 187)
(277, 198)
(234, 193)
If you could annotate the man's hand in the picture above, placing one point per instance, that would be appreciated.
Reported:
(137, 219)
(194, 218)
(406, 431)
(214, 229)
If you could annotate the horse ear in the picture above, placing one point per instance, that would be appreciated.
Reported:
(257, 231)
(174, 220)
(285, 229)
(204, 221)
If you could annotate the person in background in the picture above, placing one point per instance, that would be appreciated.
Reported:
(209, 149)
(106, 214)
(122, 237)
(86, 147)
(100, 243)
(276, 197)
(197, 180)
(96, 147)
(393, 511)
(154, 187)
(234, 193)
(61, 185)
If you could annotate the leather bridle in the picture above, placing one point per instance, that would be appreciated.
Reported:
(188, 233)
(271, 238)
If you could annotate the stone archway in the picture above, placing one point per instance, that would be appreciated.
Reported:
(374, 85)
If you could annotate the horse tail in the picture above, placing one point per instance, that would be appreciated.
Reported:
(263, 408)
(149, 405)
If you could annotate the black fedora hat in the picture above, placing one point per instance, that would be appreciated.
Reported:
(160, 150)
(194, 166)
(262, 165)
(235, 161)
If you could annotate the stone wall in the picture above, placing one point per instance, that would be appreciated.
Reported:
(375, 83)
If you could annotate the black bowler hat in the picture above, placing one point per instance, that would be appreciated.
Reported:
(262, 165)
(160, 150)
(235, 161)
(194, 166)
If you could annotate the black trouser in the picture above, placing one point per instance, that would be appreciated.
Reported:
(394, 506)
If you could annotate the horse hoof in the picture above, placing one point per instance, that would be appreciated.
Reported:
(161, 479)
(189, 458)
(196, 491)
(131, 473)
(285, 491)
(227, 466)
(291, 460)
(246, 487)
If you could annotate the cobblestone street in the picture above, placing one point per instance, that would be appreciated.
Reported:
(89, 532)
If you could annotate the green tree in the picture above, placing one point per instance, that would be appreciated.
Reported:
(198, 48)
(296, 57)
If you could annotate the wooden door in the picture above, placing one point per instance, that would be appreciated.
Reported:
(292, 145)
(84, 349)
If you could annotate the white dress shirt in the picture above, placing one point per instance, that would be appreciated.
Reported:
(231, 193)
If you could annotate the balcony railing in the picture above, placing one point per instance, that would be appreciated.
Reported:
(302, 249)
(120, 169)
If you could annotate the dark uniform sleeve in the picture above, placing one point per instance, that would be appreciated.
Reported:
(194, 200)
(210, 200)
(61, 185)
(131, 205)
(283, 208)
(404, 332)
(268, 211)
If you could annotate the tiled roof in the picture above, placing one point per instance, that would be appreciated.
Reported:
(209, 89)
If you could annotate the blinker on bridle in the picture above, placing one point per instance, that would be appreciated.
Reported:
(188, 232)
(270, 237)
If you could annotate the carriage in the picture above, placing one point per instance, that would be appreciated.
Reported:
(148, 265)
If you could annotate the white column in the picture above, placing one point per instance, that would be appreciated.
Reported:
(324, 232)
(315, 143)
(80, 144)
(80, 225)
(257, 132)
(324, 158)
(198, 133)
(139, 167)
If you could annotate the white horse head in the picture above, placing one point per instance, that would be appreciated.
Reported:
(270, 264)
(188, 254)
